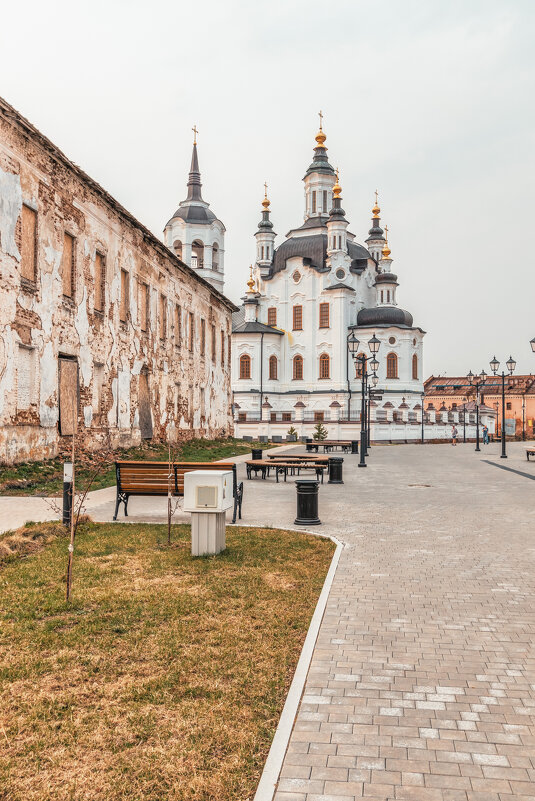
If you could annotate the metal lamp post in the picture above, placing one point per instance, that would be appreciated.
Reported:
(353, 346)
(532, 343)
(472, 379)
(495, 365)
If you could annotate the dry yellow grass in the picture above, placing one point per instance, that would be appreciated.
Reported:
(165, 677)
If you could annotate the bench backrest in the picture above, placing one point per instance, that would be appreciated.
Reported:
(152, 478)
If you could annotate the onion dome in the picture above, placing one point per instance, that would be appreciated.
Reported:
(385, 316)
(376, 232)
(386, 278)
(337, 210)
(265, 222)
(320, 162)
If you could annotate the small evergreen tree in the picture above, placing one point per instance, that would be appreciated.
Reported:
(320, 432)
(292, 432)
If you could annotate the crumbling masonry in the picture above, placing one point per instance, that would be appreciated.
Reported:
(100, 324)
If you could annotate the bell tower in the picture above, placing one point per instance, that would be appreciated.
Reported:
(194, 233)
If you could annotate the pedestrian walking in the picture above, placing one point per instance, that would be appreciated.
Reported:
(454, 434)
(485, 435)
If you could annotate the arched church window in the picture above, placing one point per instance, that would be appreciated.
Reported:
(298, 368)
(215, 257)
(272, 316)
(245, 366)
(392, 365)
(325, 366)
(415, 367)
(388, 296)
(297, 318)
(313, 202)
(382, 296)
(272, 368)
(197, 254)
(177, 247)
(325, 209)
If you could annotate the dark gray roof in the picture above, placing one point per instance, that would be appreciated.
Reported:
(319, 221)
(386, 278)
(255, 328)
(241, 327)
(340, 285)
(385, 315)
(195, 214)
(313, 250)
(320, 163)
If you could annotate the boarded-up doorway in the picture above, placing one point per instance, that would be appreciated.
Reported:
(68, 396)
(145, 416)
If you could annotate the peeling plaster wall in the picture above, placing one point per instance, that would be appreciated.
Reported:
(36, 316)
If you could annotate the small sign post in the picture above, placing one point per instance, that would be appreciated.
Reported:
(67, 494)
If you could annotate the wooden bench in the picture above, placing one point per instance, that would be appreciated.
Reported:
(155, 478)
(530, 452)
(264, 466)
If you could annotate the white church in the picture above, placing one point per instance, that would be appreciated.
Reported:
(290, 361)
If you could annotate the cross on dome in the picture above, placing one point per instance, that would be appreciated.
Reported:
(195, 132)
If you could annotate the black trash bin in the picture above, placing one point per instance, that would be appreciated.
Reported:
(354, 446)
(309, 444)
(335, 470)
(256, 454)
(307, 503)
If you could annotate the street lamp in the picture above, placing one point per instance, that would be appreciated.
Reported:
(532, 343)
(352, 347)
(477, 382)
(495, 366)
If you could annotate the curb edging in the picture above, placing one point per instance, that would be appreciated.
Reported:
(267, 785)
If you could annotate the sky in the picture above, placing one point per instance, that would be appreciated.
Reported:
(429, 101)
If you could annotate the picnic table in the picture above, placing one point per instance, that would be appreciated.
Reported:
(263, 466)
(329, 445)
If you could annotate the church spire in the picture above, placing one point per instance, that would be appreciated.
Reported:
(376, 238)
(320, 163)
(194, 179)
(265, 237)
(337, 223)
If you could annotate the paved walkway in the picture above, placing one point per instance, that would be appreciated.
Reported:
(422, 682)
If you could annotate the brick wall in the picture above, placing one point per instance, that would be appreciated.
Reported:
(105, 320)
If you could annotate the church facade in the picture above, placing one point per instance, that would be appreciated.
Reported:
(290, 360)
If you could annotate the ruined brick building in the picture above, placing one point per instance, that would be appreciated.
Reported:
(101, 325)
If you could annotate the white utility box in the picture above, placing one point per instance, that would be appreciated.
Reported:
(207, 495)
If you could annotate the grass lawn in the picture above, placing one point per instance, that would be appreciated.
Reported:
(46, 478)
(165, 677)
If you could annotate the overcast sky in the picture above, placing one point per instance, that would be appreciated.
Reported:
(429, 101)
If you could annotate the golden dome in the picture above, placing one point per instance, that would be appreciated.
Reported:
(265, 202)
(386, 249)
(376, 210)
(250, 282)
(320, 139)
(320, 136)
(337, 189)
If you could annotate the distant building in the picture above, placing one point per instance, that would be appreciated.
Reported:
(452, 392)
(101, 326)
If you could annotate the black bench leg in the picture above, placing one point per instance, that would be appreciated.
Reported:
(240, 497)
(126, 505)
(121, 498)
